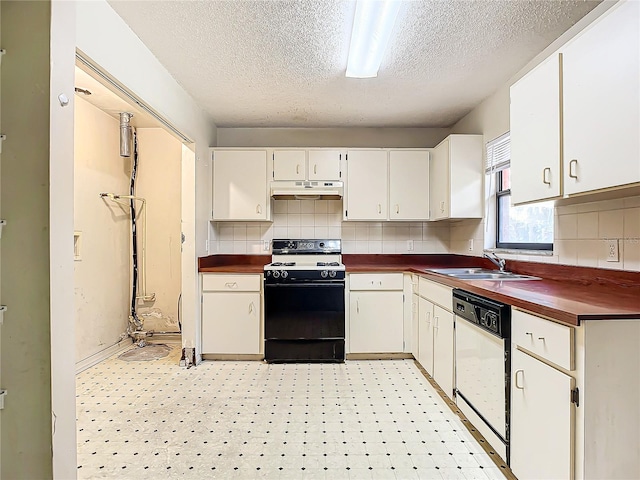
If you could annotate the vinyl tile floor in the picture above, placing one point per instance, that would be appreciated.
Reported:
(378, 419)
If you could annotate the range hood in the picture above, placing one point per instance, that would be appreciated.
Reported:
(307, 190)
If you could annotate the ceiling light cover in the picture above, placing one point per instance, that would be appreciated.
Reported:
(372, 26)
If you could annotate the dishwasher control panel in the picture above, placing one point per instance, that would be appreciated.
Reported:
(492, 316)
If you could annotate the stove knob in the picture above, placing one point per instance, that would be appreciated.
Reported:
(332, 273)
(324, 273)
(268, 273)
(276, 274)
(284, 274)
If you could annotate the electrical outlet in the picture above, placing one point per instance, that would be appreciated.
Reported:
(471, 245)
(613, 253)
(265, 245)
(410, 245)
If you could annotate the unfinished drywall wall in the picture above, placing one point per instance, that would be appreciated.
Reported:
(158, 182)
(25, 363)
(102, 271)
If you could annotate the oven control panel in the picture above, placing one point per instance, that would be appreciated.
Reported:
(292, 247)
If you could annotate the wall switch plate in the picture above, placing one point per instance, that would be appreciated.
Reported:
(410, 245)
(470, 247)
(265, 245)
(613, 252)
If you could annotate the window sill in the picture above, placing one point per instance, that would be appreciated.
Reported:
(533, 253)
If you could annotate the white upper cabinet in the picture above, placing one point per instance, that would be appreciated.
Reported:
(367, 181)
(536, 172)
(324, 165)
(408, 185)
(601, 102)
(240, 185)
(455, 178)
(575, 118)
(289, 164)
(304, 164)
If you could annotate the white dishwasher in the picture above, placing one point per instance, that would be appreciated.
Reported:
(483, 366)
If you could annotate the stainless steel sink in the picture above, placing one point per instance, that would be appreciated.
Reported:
(480, 274)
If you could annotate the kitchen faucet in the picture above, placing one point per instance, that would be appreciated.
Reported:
(497, 261)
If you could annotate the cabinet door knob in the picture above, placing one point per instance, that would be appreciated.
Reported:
(545, 178)
(572, 164)
(518, 385)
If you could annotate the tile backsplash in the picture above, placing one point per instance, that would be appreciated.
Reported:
(581, 234)
(323, 219)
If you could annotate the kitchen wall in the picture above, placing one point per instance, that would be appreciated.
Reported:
(159, 182)
(331, 137)
(101, 274)
(323, 219)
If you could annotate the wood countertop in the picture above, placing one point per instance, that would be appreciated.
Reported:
(565, 293)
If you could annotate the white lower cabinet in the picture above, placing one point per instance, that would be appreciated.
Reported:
(541, 420)
(574, 398)
(231, 316)
(435, 333)
(376, 313)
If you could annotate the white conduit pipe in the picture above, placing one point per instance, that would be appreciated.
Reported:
(142, 283)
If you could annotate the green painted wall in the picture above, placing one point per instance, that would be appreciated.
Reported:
(24, 248)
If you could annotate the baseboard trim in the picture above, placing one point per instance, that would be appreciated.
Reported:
(232, 356)
(378, 356)
(103, 354)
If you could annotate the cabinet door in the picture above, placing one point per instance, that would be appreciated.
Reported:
(535, 134)
(324, 165)
(240, 185)
(443, 349)
(366, 185)
(541, 419)
(415, 327)
(408, 185)
(289, 164)
(231, 323)
(439, 181)
(601, 94)
(376, 322)
(425, 335)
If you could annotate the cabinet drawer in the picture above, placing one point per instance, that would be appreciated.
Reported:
(549, 340)
(436, 293)
(376, 281)
(230, 283)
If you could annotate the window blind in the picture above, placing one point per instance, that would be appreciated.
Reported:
(498, 153)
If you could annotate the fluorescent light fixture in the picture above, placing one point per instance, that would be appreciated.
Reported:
(372, 28)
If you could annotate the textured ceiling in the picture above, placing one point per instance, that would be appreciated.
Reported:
(281, 63)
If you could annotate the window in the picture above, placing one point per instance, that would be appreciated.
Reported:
(527, 227)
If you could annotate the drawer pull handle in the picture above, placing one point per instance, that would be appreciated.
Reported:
(259, 208)
(297, 169)
(435, 322)
(545, 177)
(379, 208)
(518, 386)
(315, 169)
(397, 208)
(428, 317)
(573, 163)
(231, 285)
(357, 306)
(251, 307)
(541, 338)
(529, 333)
